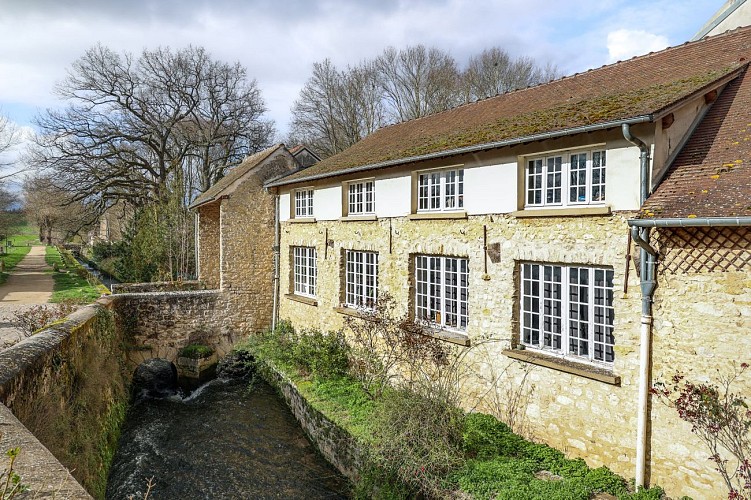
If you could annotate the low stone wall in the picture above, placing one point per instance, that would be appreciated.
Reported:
(159, 325)
(67, 387)
(158, 286)
(334, 443)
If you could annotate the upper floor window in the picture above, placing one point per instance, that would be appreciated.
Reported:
(567, 179)
(305, 273)
(304, 202)
(361, 198)
(442, 291)
(568, 310)
(440, 190)
(361, 279)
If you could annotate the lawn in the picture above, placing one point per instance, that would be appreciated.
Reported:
(71, 283)
(21, 237)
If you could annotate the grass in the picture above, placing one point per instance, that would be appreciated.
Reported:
(71, 281)
(492, 463)
(21, 236)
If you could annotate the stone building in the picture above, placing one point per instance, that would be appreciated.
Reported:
(592, 232)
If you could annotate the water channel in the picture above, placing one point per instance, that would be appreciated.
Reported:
(228, 439)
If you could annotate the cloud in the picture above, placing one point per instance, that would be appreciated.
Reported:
(623, 43)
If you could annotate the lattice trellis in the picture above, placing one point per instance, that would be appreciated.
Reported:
(698, 249)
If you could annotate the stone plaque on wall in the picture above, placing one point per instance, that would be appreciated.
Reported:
(494, 252)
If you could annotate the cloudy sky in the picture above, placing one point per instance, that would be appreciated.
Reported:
(278, 40)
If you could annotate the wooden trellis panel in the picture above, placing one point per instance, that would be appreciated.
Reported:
(703, 249)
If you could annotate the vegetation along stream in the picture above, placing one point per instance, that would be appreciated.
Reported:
(228, 439)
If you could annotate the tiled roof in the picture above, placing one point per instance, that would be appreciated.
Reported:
(711, 177)
(640, 86)
(248, 163)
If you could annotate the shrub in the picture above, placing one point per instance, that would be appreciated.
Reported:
(36, 317)
(484, 436)
(721, 419)
(196, 351)
(417, 441)
(324, 355)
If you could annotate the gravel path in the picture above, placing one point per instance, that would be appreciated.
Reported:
(28, 285)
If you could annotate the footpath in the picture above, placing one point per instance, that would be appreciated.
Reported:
(28, 285)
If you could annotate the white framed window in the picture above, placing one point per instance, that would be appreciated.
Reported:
(361, 279)
(305, 273)
(440, 190)
(568, 310)
(566, 179)
(304, 202)
(442, 291)
(361, 197)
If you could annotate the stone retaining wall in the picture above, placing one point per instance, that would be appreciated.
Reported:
(159, 325)
(158, 286)
(67, 389)
(336, 445)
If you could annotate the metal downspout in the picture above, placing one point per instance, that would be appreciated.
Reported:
(275, 310)
(648, 259)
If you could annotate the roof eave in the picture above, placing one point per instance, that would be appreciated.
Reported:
(468, 149)
(692, 222)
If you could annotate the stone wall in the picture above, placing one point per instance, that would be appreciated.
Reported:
(159, 325)
(68, 386)
(580, 415)
(159, 286)
(208, 244)
(336, 445)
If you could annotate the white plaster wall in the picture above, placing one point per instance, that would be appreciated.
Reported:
(740, 17)
(490, 189)
(327, 202)
(622, 181)
(394, 196)
(284, 208)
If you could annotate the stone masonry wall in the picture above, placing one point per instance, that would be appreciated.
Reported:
(159, 325)
(67, 385)
(583, 417)
(208, 245)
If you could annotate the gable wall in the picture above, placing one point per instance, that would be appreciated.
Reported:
(208, 245)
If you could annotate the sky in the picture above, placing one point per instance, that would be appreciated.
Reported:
(279, 40)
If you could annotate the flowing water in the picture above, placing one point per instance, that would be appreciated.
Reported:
(228, 439)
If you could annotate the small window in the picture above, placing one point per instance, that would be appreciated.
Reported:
(568, 310)
(440, 190)
(361, 279)
(569, 179)
(442, 291)
(305, 273)
(361, 198)
(304, 202)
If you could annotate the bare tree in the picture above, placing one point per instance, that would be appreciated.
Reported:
(51, 209)
(9, 135)
(418, 81)
(494, 72)
(336, 109)
(132, 123)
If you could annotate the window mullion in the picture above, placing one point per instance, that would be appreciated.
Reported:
(565, 294)
(591, 315)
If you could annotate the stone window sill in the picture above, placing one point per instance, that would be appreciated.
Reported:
(564, 365)
(355, 313)
(438, 215)
(449, 336)
(302, 220)
(358, 218)
(561, 212)
(300, 298)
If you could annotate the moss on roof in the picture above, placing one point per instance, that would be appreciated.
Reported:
(432, 134)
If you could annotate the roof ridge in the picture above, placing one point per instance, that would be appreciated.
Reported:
(655, 53)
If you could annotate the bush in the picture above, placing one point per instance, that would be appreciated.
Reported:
(34, 318)
(324, 355)
(417, 441)
(196, 351)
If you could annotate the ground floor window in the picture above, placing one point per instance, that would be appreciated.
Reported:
(361, 279)
(304, 270)
(568, 310)
(442, 291)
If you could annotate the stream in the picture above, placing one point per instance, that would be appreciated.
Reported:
(228, 439)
